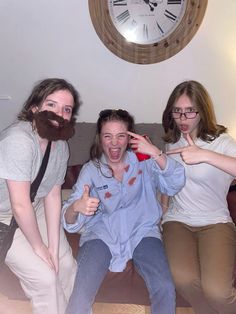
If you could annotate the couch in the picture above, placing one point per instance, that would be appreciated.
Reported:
(126, 287)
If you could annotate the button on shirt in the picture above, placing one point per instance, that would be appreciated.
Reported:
(128, 210)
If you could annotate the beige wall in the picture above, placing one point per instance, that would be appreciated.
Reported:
(56, 38)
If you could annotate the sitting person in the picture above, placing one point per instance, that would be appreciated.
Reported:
(115, 208)
(198, 232)
(40, 255)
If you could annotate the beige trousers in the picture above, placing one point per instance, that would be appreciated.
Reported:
(49, 293)
(202, 262)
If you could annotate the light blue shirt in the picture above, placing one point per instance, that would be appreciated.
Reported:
(128, 210)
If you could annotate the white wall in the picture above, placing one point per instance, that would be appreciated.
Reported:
(50, 38)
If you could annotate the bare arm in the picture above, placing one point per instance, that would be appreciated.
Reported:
(164, 200)
(52, 207)
(192, 154)
(24, 214)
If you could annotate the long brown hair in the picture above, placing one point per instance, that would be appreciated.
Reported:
(208, 129)
(105, 116)
(40, 92)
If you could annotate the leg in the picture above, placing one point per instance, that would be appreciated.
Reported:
(67, 272)
(182, 251)
(48, 292)
(93, 263)
(217, 247)
(37, 279)
(150, 260)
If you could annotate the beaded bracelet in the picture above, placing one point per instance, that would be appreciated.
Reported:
(156, 157)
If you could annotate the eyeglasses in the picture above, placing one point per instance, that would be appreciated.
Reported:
(187, 115)
(108, 112)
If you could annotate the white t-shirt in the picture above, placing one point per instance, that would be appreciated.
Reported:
(202, 201)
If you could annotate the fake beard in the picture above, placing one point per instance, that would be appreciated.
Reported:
(44, 122)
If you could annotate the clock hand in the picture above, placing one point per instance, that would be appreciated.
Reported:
(151, 4)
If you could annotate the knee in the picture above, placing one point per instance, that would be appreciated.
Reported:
(41, 283)
(68, 264)
(47, 280)
(217, 294)
(185, 280)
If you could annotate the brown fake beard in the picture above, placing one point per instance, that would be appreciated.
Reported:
(46, 129)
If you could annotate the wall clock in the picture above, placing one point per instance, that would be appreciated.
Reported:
(143, 31)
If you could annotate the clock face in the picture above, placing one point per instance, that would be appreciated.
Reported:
(146, 31)
(144, 21)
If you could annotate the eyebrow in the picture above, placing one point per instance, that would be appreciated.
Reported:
(56, 102)
(190, 107)
(108, 133)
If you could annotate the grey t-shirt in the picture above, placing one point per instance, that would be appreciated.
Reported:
(20, 160)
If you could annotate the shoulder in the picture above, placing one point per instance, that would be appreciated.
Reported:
(18, 136)
(224, 140)
(18, 129)
(88, 166)
(223, 144)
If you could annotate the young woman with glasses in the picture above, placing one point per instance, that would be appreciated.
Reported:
(198, 232)
(114, 207)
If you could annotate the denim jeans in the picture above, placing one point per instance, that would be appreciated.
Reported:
(150, 261)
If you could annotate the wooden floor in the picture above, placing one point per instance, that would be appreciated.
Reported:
(23, 307)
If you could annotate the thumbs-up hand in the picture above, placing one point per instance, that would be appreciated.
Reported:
(86, 205)
(191, 154)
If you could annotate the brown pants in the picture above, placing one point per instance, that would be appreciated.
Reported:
(202, 262)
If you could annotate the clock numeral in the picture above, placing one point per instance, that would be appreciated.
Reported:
(174, 1)
(123, 17)
(119, 2)
(170, 15)
(159, 27)
(145, 31)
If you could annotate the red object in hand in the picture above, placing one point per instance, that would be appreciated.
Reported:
(141, 156)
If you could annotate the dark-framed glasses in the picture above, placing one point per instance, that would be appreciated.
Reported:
(187, 114)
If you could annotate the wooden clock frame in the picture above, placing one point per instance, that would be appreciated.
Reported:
(146, 53)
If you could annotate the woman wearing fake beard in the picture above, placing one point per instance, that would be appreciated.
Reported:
(40, 255)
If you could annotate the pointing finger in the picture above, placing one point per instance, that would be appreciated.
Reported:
(174, 151)
(137, 136)
(189, 139)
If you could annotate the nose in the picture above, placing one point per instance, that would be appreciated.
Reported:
(183, 116)
(59, 112)
(114, 141)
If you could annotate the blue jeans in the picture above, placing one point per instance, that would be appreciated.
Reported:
(150, 261)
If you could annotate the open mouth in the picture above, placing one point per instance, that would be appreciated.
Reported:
(183, 128)
(114, 153)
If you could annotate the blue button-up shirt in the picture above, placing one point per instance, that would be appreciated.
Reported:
(128, 210)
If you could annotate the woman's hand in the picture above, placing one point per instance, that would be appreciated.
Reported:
(86, 205)
(142, 144)
(191, 154)
(55, 259)
(44, 253)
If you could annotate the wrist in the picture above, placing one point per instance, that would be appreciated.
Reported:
(157, 155)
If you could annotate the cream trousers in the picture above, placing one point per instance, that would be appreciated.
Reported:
(49, 293)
